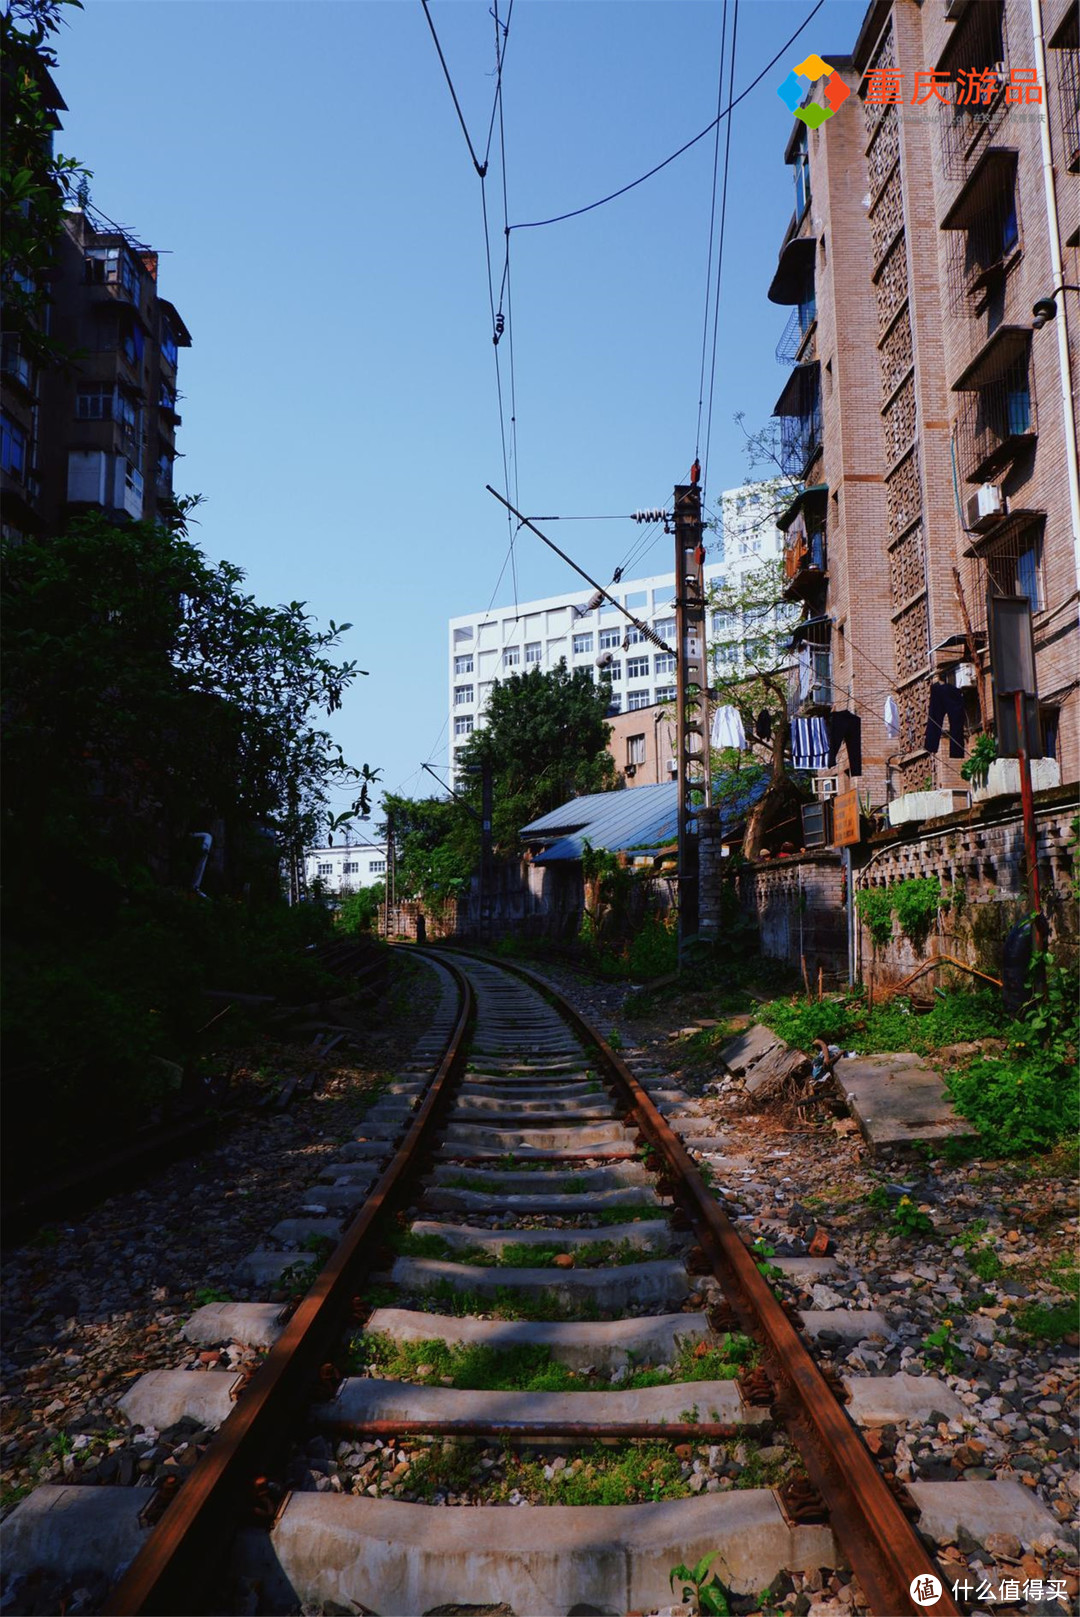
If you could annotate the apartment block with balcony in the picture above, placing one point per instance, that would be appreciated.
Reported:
(101, 432)
(946, 471)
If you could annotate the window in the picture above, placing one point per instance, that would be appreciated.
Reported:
(350, 868)
(14, 362)
(463, 665)
(462, 695)
(168, 344)
(1014, 567)
(511, 656)
(614, 706)
(637, 699)
(665, 628)
(801, 164)
(376, 867)
(610, 639)
(664, 663)
(728, 653)
(665, 693)
(637, 667)
(12, 447)
(533, 651)
(326, 870)
(635, 749)
(94, 401)
(463, 724)
(582, 645)
(112, 266)
(634, 637)
(612, 670)
(166, 396)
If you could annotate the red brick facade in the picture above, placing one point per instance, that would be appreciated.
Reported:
(918, 255)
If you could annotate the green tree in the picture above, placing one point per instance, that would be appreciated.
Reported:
(35, 181)
(358, 912)
(545, 737)
(437, 844)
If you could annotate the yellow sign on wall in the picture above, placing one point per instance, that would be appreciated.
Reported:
(845, 819)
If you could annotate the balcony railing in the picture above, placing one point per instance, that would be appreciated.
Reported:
(997, 422)
(795, 333)
(800, 439)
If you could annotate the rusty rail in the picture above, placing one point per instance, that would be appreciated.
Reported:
(883, 1547)
(183, 1551)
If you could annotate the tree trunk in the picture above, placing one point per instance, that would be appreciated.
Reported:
(776, 793)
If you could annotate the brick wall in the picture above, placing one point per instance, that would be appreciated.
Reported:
(978, 857)
(798, 905)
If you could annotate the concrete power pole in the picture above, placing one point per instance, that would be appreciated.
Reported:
(692, 705)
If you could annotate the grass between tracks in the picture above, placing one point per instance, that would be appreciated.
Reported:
(529, 1367)
(521, 1254)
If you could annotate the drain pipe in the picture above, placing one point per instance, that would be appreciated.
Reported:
(1057, 269)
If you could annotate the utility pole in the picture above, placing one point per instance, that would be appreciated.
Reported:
(388, 905)
(487, 862)
(692, 704)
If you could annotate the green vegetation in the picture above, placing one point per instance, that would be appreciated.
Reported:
(976, 766)
(506, 1302)
(961, 1017)
(701, 1587)
(1047, 1322)
(940, 1342)
(908, 1219)
(358, 912)
(915, 901)
(475, 1367)
(209, 1294)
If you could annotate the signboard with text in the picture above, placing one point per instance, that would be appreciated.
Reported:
(845, 819)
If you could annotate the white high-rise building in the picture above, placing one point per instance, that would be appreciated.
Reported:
(485, 646)
(749, 533)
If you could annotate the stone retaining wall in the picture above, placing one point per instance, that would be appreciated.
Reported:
(799, 907)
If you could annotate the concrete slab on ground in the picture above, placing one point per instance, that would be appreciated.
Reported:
(254, 1324)
(363, 1398)
(740, 1053)
(879, 1400)
(162, 1397)
(603, 1344)
(401, 1559)
(70, 1530)
(984, 1508)
(897, 1100)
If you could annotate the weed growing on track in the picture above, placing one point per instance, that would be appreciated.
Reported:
(477, 1367)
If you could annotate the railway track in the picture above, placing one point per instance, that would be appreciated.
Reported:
(537, 1296)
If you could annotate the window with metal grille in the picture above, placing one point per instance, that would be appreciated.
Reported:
(976, 62)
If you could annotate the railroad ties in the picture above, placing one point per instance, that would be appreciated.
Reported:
(553, 1208)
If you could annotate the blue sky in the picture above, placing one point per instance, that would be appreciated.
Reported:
(304, 168)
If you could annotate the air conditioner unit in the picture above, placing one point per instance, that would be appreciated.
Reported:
(630, 771)
(986, 507)
(828, 786)
(966, 676)
(673, 766)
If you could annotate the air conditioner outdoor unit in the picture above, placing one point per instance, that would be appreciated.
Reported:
(828, 787)
(986, 507)
(673, 766)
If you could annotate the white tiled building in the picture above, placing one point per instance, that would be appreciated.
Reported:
(485, 646)
(344, 869)
(749, 533)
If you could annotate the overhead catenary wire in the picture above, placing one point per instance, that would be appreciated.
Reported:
(712, 227)
(720, 257)
(575, 213)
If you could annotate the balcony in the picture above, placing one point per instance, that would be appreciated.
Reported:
(975, 59)
(810, 676)
(799, 411)
(997, 419)
(1065, 44)
(805, 554)
(796, 341)
(984, 232)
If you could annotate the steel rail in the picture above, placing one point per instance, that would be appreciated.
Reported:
(184, 1549)
(883, 1547)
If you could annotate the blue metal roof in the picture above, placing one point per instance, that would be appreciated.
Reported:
(636, 819)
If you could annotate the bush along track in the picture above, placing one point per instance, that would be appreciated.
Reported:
(499, 1308)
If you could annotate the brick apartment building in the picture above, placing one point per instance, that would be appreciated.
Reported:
(930, 420)
(98, 432)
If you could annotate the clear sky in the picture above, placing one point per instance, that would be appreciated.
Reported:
(303, 166)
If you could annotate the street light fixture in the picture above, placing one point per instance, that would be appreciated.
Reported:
(1046, 309)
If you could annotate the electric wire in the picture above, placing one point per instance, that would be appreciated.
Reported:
(500, 54)
(712, 228)
(574, 213)
(479, 167)
(720, 255)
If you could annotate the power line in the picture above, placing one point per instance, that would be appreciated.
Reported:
(574, 213)
(720, 255)
(712, 227)
(481, 168)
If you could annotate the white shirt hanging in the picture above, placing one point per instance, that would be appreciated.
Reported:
(892, 718)
(727, 728)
